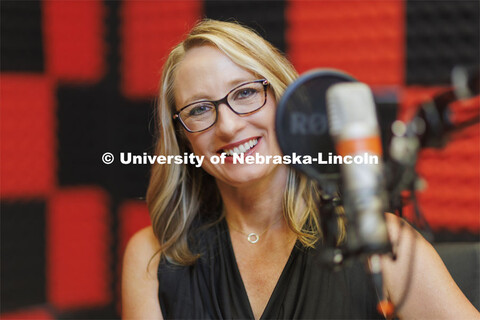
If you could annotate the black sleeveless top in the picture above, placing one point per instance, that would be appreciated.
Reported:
(212, 288)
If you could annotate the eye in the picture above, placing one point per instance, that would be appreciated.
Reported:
(245, 93)
(199, 109)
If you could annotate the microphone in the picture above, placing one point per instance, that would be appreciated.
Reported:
(302, 123)
(356, 133)
(345, 123)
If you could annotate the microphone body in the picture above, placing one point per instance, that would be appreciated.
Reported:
(355, 131)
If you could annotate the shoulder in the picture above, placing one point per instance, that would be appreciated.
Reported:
(142, 245)
(396, 225)
(418, 280)
(139, 276)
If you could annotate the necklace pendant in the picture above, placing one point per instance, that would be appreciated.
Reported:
(253, 237)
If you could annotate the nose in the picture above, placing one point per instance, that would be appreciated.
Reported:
(228, 122)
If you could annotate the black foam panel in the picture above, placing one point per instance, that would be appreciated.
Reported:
(94, 120)
(266, 17)
(23, 261)
(21, 36)
(84, 132)
(107, 312)
(440, 35)
(135, 128)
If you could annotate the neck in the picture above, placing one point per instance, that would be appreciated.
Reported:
(257, 205)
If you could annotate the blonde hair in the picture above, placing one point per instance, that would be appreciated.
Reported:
(177, 193)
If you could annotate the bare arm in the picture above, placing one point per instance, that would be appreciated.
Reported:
(139, 277)
(432, 293)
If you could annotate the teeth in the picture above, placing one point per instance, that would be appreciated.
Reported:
(241, 148)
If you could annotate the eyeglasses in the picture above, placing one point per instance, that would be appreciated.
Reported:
(244, 99)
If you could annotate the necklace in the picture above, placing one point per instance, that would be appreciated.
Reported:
(253, 237)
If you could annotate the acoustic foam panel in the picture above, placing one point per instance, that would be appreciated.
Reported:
(27, 130)
(34, 313)
(94, 120)
(149, 30)
(74, 34)
(23, 255)
(363, 38)
(21, 36)
(78, 241)
(266, 17)
(439, 36)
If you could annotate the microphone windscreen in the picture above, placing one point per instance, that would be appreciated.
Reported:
(302, 123)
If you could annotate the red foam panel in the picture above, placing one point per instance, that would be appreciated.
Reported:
(78, 243)
(363, 38)
(149, 31)
(28, 314)
(27, 131)
(74, 33)
(452, 198)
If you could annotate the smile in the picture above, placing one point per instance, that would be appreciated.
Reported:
(244, 147)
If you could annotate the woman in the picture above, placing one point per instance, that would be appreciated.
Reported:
(243, 240)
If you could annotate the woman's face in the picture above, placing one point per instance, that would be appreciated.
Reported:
(208, 74)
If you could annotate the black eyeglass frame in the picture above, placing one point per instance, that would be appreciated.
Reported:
(176, 115)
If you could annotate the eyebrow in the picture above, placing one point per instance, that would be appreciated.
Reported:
(204, 97)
